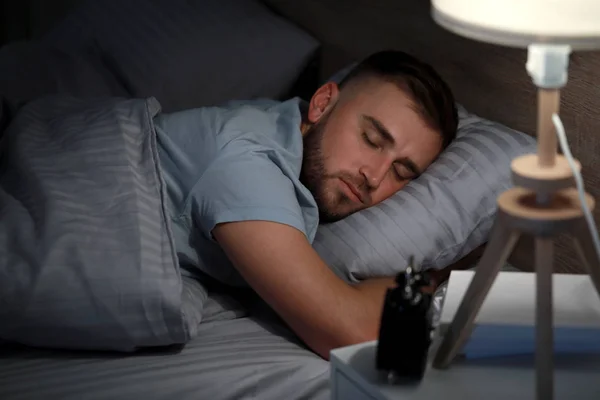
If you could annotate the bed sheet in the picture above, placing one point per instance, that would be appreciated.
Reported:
(238, 354)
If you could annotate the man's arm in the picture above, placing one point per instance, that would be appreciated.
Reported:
(282, 267)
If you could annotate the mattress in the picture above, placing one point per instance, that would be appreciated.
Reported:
(239, 353)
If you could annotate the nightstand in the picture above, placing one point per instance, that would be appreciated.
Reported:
(354, 377)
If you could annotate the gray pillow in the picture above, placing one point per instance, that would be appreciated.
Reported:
(189, 54)
(438, 218)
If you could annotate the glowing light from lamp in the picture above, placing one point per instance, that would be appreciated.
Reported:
(518, 23)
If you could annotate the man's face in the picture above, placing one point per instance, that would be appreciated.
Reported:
(363, 144)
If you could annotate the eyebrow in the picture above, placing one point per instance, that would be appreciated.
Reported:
(387, 136)
(380, 128)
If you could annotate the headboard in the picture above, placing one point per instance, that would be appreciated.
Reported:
(489, 80)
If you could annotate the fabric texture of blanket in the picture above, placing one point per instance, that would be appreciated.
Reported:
(86, 255)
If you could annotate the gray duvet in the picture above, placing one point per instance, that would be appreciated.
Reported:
(86, 256)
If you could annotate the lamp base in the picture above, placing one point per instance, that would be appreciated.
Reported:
(521, 212)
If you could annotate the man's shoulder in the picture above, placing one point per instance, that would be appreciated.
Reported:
(255, 174)
(257, 103)
(261, 115)
(262, 124)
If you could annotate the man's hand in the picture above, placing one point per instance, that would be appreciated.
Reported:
(282, 267)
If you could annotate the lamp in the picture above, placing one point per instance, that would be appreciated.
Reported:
(548, 197)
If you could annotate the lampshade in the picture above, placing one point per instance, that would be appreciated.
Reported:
(519, 23)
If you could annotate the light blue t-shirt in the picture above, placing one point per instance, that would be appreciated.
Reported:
(236, 162)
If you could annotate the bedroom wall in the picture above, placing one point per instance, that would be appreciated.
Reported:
(489, 80)
(27, 19)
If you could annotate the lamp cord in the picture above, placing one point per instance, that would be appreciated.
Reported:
(562, 138)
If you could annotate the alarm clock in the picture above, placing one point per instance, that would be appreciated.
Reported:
(406, 329)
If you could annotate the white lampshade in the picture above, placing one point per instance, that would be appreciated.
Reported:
(519, 23)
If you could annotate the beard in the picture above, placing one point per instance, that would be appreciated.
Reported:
(333, 204)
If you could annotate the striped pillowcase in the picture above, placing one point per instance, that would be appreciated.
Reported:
(438, 218)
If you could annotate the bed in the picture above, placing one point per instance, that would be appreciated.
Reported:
(186, 54)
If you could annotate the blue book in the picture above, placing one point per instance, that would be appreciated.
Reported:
(505, 324)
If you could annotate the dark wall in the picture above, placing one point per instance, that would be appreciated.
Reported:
(28, 19)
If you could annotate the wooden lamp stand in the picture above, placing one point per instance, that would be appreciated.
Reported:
(544, 204)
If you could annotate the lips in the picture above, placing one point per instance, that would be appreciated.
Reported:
(358, 196)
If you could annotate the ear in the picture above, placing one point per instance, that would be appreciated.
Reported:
(322, 101)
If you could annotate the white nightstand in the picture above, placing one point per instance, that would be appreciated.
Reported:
(508, 311)
(354, 377)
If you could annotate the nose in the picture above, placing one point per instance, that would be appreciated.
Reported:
(375, 173)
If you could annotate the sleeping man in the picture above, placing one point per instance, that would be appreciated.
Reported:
(249, 184)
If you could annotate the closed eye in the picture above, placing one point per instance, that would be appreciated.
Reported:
(405, 171)
(400, 176)
(401, 171)
(368, 141)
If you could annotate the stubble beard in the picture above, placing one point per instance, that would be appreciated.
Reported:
(314, 177)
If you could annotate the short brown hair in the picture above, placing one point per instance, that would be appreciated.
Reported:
(431, 94)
